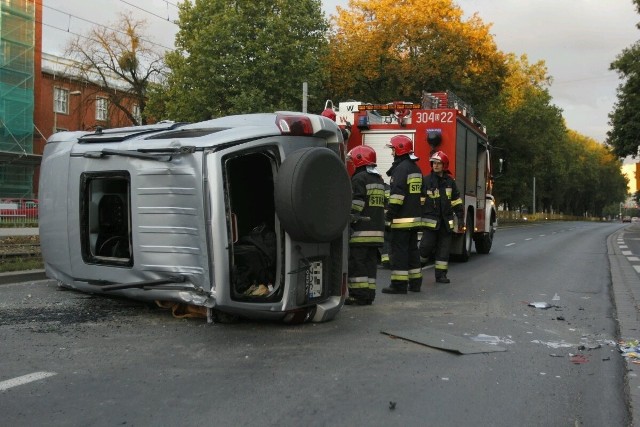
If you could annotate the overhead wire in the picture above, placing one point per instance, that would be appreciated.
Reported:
(70, 15)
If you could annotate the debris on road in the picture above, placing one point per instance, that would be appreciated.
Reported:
(578, 359)
(542, 305)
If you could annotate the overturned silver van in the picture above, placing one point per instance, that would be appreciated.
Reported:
(244, 215)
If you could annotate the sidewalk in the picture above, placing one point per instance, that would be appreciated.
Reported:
(626, 296)
(15, 231)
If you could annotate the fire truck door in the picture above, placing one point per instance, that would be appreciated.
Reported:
(483, 170)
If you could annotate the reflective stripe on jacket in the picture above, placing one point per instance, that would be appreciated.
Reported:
(441, 200)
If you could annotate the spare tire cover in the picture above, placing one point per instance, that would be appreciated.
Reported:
(313, 195)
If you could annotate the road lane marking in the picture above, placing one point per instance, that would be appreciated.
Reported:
(625, 253)
(623, 246)
(529, 238)
(7, 384)
(542, 235)
(637, 267)
(510, 244)
(633, 258)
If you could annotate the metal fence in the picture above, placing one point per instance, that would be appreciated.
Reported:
(18, 212)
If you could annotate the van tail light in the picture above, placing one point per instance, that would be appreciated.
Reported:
(294, 125)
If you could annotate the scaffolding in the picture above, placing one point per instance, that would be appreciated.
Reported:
(17, 50)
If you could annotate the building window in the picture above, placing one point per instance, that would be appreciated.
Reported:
(101, 108)
(60, 100)
(136, 114)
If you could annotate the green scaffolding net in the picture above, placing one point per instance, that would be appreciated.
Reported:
(17, 49)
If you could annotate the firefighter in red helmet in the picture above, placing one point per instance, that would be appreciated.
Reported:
(404, 217)
(331, 114)
(367, 225)
(442, 201)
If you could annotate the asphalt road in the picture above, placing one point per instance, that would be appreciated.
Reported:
(103, 361)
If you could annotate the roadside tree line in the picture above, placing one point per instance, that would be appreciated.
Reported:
(242, 56)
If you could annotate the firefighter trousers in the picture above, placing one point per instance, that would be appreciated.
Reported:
(363, 268)
(437, 242)
(405, 259)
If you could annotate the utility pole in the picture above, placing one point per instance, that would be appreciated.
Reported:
(305, 94)
(534, 196)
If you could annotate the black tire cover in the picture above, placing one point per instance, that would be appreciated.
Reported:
(313, 195)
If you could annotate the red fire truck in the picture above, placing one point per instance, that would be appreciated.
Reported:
(440, 122)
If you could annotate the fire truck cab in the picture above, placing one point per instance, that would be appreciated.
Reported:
(440, 122)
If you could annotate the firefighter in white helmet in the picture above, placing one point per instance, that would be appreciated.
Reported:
(404, 217)
(442, 201)
(367, 225)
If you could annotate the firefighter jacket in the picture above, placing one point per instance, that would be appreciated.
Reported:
(367, 207)
(442, 200)
(404, 196)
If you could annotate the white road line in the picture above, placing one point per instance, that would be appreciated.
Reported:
(542, 235)
(529, 238)
(7, 384)
(626, 253)
(510, 244)
(633, 258)
(623, 246)
(637, 267)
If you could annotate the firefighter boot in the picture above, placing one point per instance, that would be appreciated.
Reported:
(395, 288)
(415, 285)
(441, 276)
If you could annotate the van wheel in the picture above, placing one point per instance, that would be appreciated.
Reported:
(313, 195)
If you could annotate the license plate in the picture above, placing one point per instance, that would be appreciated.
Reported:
(313, 280)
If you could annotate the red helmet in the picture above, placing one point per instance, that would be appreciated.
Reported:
(402, 144)
(362, 155)
(329, 113)
(440, 156)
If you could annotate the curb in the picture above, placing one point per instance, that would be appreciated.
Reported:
(626, 297)
(22, 276)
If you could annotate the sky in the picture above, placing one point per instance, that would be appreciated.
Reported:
(577, 39)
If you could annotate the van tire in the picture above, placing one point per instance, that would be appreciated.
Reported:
(313, 195)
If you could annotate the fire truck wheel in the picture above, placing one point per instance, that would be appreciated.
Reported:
(467, 239)
(313, 195)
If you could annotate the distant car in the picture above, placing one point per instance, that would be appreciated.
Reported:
(635, 219)
(626, 219)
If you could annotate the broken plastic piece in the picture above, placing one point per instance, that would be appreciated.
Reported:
(579, 359)
(543, 305)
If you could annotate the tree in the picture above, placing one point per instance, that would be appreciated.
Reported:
(240, 56)
(624, 136)
(382, 50)
(115, 57)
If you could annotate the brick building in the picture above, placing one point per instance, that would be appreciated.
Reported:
(41, 94)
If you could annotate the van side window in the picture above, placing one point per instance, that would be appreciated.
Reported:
(105, 218)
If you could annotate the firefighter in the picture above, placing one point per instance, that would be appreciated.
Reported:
(367, 225)
(442, 202)
(404, 217)
(330, 114)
